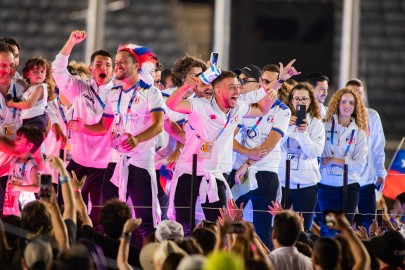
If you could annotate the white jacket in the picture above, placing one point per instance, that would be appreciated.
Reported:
(86, 150)
(355, 158)
(309, 146)
(376, 156)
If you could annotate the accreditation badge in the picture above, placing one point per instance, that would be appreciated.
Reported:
(336, 170)
(294, 160)
(9, 131)
(206, 150)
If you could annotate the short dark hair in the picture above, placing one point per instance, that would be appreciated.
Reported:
(287, 228)
(33, 135)
(315, 77)
(183, 66)
(205, 238)
(159, 66)
(355, 82)
(5, 47)
(224, 74)
(166, 73)
(102, 53)
(11, 41)
(271, 68)
(113, 216)
(328, 253)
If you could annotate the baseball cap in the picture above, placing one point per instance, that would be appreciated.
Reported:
(36, 252)
(390, 248)
(251, 71)
(146, 256)
(169, 230)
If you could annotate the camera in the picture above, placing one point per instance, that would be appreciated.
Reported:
(10, 97)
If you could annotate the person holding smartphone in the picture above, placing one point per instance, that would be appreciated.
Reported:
(346, 143)
(303, 144)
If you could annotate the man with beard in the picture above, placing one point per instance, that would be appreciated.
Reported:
(212, 125)
(90, 154)
(9, 118)
(135, 113)
(203, 90)
(320, 85)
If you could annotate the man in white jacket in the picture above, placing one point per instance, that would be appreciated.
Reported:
(374, 173)
(90, 154)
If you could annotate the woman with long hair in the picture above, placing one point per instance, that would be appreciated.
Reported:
(303, 144)
(346, 143)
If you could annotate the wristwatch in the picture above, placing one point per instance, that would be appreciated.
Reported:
(280, 80)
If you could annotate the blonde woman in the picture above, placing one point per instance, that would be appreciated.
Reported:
(346, 143)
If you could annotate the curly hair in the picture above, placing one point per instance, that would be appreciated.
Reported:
(359, 113)
(313, 108)
(40, 62)
(183, 66)
(113, 216)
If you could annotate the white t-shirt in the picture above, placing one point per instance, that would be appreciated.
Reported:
(39, 107)
(276, 119)
(207, 121)
(134, 120)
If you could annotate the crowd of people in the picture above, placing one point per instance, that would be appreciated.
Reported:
(101, 166)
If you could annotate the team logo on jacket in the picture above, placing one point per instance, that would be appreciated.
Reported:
(137, 99)
(270, 119)
(235, 119)
(251, 133)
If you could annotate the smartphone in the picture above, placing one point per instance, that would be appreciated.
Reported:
(45, 186)
(237, 227)
(329, 219)
(378, 216)
(214, 58)
(301, 114)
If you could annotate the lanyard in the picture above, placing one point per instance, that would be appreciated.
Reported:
(62, 113)
(130, 101)
(288, 144)
(220, 132)
(24, 165)
(331, 140)
(97, 96)
(255, 125)
(15, 94)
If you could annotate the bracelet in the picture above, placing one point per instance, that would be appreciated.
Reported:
(280, 80)
(373, 234)
(63, 179)
(77, 190)
(248, 163)
(126, 236)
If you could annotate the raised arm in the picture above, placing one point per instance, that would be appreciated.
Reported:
(176, 102)
(76, 37)
(123, 251)
(67, 191)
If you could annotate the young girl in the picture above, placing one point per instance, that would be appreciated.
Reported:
(33, 103)
(303, 144)
(346, 143)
